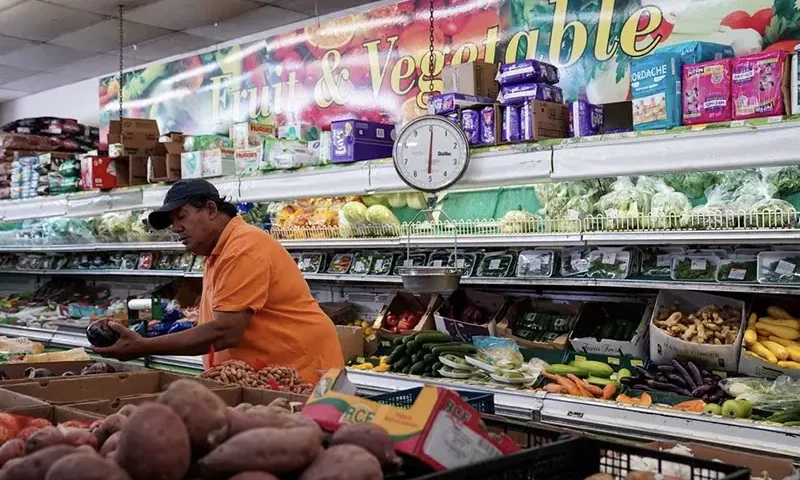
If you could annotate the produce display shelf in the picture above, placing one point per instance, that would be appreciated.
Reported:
(744, 146)
(101, 273)
(611, 418)
(94, 247)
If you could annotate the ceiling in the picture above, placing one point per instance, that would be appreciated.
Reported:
(49, 43)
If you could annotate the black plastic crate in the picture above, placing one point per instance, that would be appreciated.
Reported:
(578, 458)
(482, 402)
(526, 434)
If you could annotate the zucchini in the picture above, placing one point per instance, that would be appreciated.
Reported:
(600, 382)
(400, 364)
(433, 337)
(428, 369)
(456, 348)
(429, 346)
(429, 359)
(406, 369)
(436, 367)
(397, 353)
(417, 368)
(418, 357)
(412, 347)
(409, 337)
(397, 341)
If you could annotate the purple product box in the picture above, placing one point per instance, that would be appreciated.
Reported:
(585, 119)
(516, 94)
(511, 130)
(488, 123)
(357, 140)
(470, 123)
(527, 71)
(453, 117)
(450, 102)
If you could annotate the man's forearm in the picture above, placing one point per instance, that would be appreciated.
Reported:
(194, 341)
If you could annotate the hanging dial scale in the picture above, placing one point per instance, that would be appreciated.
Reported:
(431, 154)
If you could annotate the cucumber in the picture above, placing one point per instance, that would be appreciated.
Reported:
(406, 369)
(412, 347)
(410, 337)
(400, 364)
(417, 368)
(429, 359)
(600, 382)
(418, 357)
(428, 369)
(397, 353)
(429, 346)
(436, 367)
(561, 369)
(596, 369)
(458, 348)
(433, 337)
(397, 341)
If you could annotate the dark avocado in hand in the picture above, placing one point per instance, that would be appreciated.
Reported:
(100, 334)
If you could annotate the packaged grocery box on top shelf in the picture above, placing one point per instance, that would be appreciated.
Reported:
(691, 325)
(467, 313)
(405, 313)
(771, 344)
(540, 322)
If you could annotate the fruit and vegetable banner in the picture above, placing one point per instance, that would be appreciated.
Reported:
(375, 64)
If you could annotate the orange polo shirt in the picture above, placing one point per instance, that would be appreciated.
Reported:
(250, 270)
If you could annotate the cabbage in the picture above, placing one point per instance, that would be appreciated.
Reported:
(668, 207)
(345, 228)
(716, 213)
(693, 185)
(354, 212)
(381, 215)
(518, 221)
(397, 200)
(417, 201)
(625, 205)
(377, 199)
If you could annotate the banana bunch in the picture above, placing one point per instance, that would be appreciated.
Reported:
(774, 339)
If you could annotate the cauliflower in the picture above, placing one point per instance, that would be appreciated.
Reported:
(518, 221)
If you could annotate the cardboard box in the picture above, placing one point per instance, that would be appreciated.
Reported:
(593, 312)
(357, 140)
(69, 390)
(547, 120)
(137, 135)
(248, 160)
(191, 165)
(749, 363)
(761, 466)
(106, 173)
(664, 348)
(352, 341)
(445, 103)
(473, 78)
(401, 301)
(494, 306)
(250, 135)
(13, 400)
(617, 117)
(173, 137)
(218, 162)
(508, 325)
(15, 371)
(439, 429)
(57, 415)
(164, 165)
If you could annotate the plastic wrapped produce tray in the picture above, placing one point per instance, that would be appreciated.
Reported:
(577, 458)
(482, 402)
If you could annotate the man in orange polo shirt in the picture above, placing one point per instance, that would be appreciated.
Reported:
(255, 306)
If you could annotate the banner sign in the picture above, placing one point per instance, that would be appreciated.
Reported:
(375, 65)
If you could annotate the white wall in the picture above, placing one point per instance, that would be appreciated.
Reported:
(79, 101)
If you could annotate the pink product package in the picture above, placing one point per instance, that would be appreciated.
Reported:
(757, 85)
(707, 92)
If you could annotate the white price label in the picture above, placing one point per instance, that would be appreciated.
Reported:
(609, 258)
(536, 263)
(785, 268)
(575, 258)
(378, 264)
(306, 262)
(437, 263)
(494, 264)
(408, 263)
(737, 123)
(573, 214)
(737, 274)
(699, 264)
(460, 263)
(664, 261)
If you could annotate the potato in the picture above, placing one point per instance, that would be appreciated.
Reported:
(83, 466)
(281, 403)
(110, 444)
(80, 436)
(373, 438)
(46, 437)
(242, 407)
(13, 448)
(204, 413)
(154, 444)
(274, 450)
(111, 425)
(243, 421)
(254, 476)
(35, 465)
(344, 462)
(127, 410)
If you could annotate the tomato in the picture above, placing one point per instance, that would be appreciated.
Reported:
(785, 45)
(737, 19)
(761, 20)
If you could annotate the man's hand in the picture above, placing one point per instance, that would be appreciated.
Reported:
(129, 346)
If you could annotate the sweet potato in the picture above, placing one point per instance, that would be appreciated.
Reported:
(85, 466)
(242, 407)
(281, 403)
(274, 450)
(14, 448)
(127, 410)
(243, 421)
(35, 465)
(110, 444)
(254, 476)
(372, 438)
(46, 437)
(111, 425)
(154, 444)
(344, 462)
(204, 413)
(80, 436)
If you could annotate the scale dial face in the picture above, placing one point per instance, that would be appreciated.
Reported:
(431, 153)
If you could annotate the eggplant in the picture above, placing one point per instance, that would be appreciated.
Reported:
(100, 334)
(684, 392)
(665, 368)
(703, 390)
(661, 386)
(627, 381)
(676, 379)
(716, 397)
(695, 373)
(683, 373)
(661, 378)
(644, 373)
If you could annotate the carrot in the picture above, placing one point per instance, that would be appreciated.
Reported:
(553, 388)
(695, 406)
(571, 388)
(609, 391)
(582, 386)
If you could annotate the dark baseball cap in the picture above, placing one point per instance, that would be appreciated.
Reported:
(177, 196)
